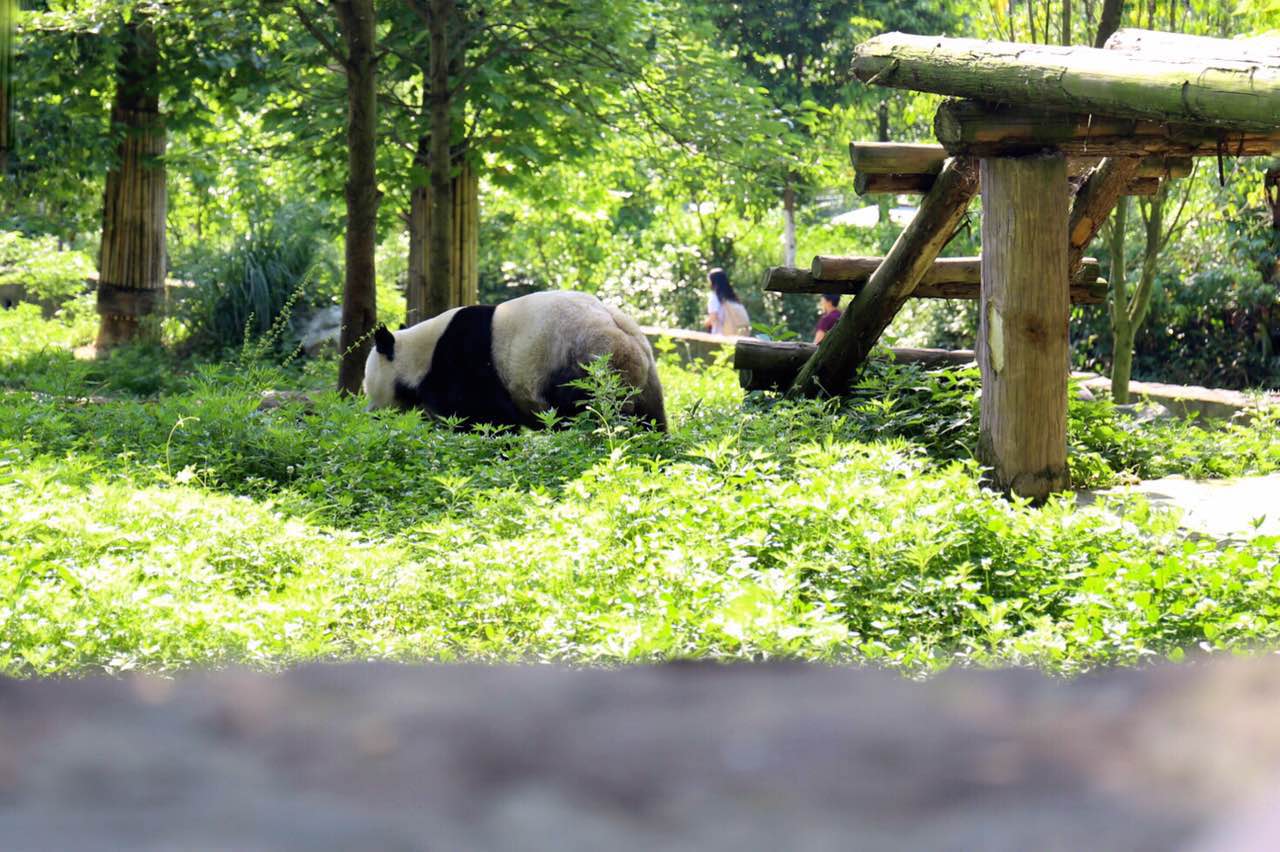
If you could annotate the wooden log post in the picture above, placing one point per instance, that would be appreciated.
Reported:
(1022, 325)
(846, 346)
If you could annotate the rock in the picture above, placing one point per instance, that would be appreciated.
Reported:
(1145, 411)
(686, 756)
(273, 399)
(321, 331)
(1084, 394)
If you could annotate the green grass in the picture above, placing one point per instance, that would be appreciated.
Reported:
(174, 525)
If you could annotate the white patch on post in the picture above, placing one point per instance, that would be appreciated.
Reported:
(995, 338)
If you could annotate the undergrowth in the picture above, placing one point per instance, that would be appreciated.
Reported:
(171, 523)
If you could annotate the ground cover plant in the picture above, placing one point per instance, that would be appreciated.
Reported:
(169, 523)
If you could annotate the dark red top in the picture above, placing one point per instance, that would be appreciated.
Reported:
(828, 320)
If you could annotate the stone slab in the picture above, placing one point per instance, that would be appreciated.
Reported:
(1225, 509)
(1185, 400)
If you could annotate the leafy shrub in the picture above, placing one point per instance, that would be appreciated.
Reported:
(47, 273)
(190, 528)
(245, 289)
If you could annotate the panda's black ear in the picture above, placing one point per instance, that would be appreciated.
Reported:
(385, 342)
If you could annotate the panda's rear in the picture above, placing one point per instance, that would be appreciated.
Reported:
(503, 365)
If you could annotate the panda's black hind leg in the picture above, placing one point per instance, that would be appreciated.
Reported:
(562, 397)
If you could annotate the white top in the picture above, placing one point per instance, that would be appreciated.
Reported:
(727, 318)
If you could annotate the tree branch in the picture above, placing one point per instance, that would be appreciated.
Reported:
(309, 23)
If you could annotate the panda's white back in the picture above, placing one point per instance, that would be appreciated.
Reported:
(562, 328)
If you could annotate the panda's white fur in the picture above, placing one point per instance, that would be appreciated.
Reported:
(506, 363)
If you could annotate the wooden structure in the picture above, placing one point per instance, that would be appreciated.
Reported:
(1052, 137)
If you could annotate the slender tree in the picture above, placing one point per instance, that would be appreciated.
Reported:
(1129, 308)
(358, 61)
(8, 8)
(1109, 21)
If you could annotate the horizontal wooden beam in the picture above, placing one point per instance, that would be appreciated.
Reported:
(910, 162)
(944, 270)
(986, 130)
(1232, 91)
(947, 278)
(918, 184)
(883, 158)
(773, 365)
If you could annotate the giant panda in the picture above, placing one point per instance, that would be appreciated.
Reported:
(503, 364)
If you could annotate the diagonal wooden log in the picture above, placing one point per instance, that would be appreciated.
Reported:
(1232, 90)
(1093, 203)
(845, 347)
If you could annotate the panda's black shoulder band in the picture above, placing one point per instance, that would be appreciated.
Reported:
(385, 342)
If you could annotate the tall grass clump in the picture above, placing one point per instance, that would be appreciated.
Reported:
(240, 292)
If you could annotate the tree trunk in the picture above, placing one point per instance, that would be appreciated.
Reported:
(1109, 21)
(882, 204)
(359, 306)
(8, 9)
(132, 262)
(1134, 311)
(466, 241)
(464, 245)
(415, 291)
(1228, 91)
(1066, 22)
(440, 291)
(789, 224)
(1022, 325)
(1121, 365)
(1121, 334)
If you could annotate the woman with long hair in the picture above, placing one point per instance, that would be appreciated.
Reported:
(725, 312)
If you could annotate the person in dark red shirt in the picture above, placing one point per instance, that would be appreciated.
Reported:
(829, 305)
